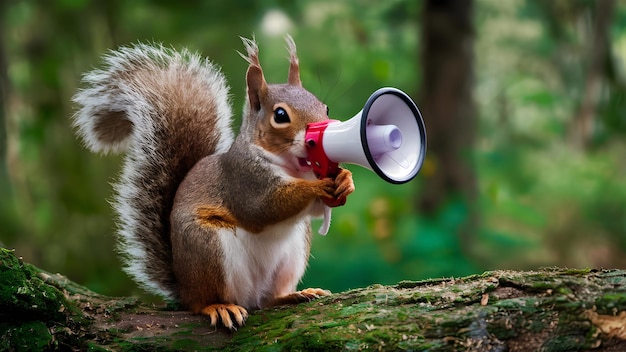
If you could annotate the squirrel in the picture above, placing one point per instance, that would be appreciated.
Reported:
(218, 223)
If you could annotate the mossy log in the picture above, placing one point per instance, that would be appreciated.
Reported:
(550, 309)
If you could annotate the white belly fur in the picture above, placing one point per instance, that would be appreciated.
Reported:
(252, 260)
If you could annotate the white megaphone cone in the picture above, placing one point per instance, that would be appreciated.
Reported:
(387, 137)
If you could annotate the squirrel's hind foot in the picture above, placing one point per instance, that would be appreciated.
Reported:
(306, 295)
(226, 313)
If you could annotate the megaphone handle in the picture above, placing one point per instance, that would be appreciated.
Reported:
(326, 224)
(322, 166)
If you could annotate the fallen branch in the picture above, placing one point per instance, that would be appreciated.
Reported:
(549, 309)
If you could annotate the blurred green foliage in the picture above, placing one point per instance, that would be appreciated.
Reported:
(543, 200)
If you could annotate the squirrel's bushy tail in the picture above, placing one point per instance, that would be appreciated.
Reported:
(167, 109)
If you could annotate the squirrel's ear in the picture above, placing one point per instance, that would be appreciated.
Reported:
(254, 77)
(256, 86)
(294, 65)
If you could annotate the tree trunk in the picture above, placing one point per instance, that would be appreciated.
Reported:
(599, 48)
(4, 86)
(448, 109)
(546, 310)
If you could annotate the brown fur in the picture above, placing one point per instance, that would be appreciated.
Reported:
(111, 126)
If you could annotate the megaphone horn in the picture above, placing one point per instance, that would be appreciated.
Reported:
(388, 137)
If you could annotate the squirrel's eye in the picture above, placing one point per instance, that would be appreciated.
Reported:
(327, 111)
(281, 116)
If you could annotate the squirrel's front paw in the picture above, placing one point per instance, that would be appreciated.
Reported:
(326, 188)
(344, 183)
(343, 187)
(226, 313)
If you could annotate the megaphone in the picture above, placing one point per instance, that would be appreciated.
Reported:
(388, 137)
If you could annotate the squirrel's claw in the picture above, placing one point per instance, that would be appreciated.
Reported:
(306, 295)
(226, 313)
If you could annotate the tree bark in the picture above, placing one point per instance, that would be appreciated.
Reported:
(545, 310)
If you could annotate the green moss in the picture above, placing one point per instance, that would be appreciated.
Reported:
(24, 296)
(564, 290)
(379, 337)
(580, 271)
(30, 336)
(420, 344)
(617, 278)
(610, 303)
(35, 313)
(329, 324)
(186, 345)
(500, 325)
(539, 324)
(402, 316)
(562, 343)
(309, 341)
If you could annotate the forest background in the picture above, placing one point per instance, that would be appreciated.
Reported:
(524, 104)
